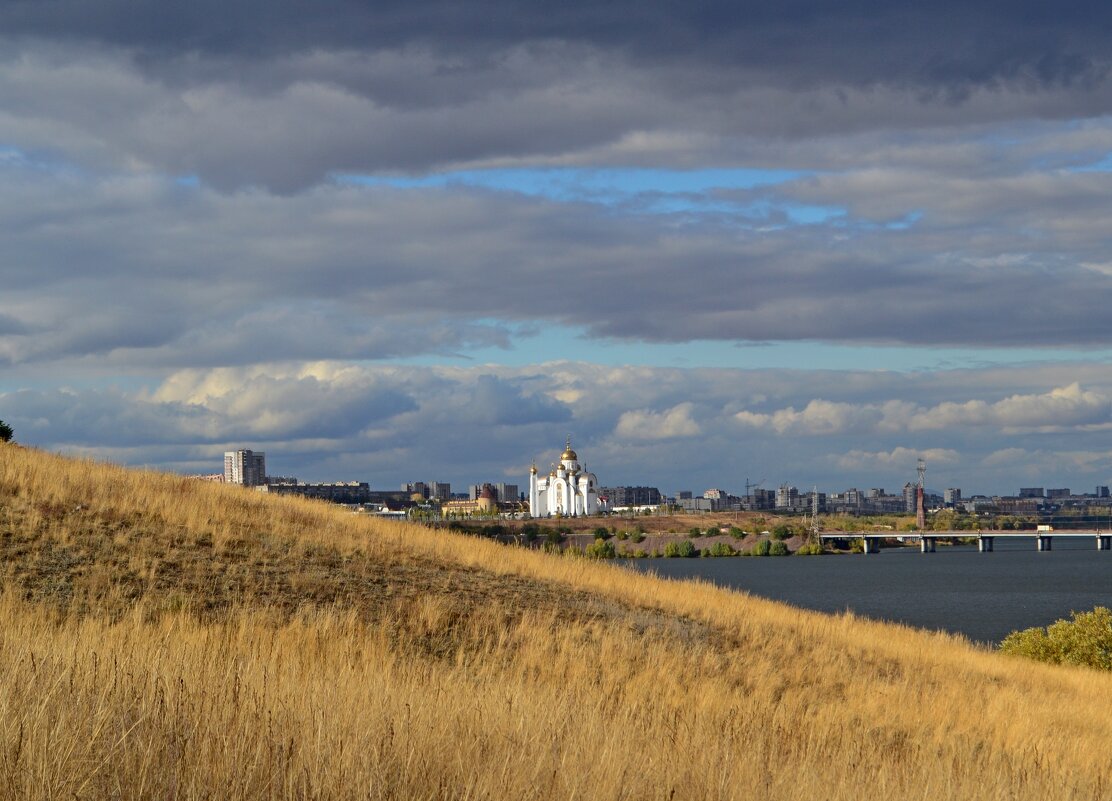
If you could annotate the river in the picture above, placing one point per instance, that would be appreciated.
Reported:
(981, 595)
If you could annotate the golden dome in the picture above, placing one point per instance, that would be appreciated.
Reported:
(568, 453)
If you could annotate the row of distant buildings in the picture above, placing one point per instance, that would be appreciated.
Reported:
(248, 468)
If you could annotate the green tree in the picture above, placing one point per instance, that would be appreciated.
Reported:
(6, 432)
(781, 532)
(682, 548)
(719, 549)
(600, 549)
(1084, 640)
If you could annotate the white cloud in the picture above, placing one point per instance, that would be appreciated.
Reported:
(1060, 408)
(900, 459)
(817, 417)
(647, 425)
(1048, 463)
(1005, 457)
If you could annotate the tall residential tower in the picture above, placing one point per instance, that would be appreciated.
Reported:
(245, 467)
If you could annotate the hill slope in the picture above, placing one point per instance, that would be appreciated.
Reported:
(162, 638)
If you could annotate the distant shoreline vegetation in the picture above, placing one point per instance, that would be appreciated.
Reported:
(632, 541)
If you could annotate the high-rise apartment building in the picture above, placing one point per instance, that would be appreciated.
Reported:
(910, 493)
(440, 491)
(245, 467)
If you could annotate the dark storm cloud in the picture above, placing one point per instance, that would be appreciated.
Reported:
(933, 44)
(283, 95)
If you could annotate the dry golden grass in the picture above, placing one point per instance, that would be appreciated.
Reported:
(171, 639)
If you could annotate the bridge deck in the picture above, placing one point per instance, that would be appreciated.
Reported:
(914, 535)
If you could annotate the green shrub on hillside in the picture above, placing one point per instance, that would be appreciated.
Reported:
(737, 533)
(809, 549)
(602, 533)
(781, 532)
(682, 548)
(694, 531)
(553, 537)
(600, 549)
(779, 548)
(762, 548)
(6, 432)
(1084, 640)
(720, 549)
(637, 536)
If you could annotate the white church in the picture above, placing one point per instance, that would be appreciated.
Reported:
(568, 490)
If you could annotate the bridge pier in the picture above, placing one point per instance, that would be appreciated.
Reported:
(870, 545)
(1045, 543)
(926, 544)
(984, 544)
(1104, 542)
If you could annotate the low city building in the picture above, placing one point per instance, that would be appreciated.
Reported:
(484, 504)
(349, 492)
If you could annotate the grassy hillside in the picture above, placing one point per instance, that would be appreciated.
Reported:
(161, 638)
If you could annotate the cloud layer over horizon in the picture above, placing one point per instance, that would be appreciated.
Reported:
(330, 420)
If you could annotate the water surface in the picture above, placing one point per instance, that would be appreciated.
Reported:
(981, 595)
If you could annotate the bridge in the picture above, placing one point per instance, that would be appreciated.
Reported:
(1043, 540)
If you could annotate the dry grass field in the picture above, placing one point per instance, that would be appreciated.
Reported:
(168, 639)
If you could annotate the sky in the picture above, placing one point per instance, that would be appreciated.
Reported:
(799, 242)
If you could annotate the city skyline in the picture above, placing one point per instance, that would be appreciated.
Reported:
(887, 488)
(802, 242)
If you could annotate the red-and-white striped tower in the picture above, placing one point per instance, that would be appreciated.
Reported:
(920, 509)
